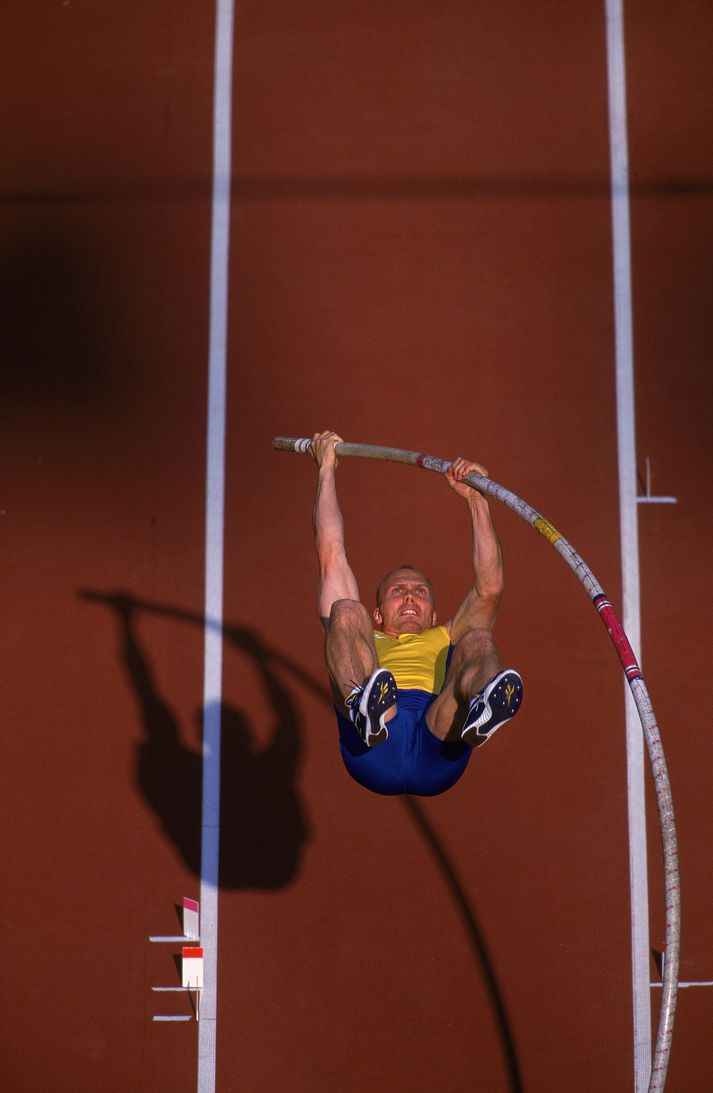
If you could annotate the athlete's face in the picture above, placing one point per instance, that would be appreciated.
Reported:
(406, 604)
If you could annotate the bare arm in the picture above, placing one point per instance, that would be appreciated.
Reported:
(480, 605)
(336, 579)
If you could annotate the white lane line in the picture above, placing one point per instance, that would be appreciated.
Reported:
(215, 504)
(629, 536)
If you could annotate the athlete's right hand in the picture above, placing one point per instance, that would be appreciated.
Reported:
(322, 448)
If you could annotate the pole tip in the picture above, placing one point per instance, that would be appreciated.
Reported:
(289, 444)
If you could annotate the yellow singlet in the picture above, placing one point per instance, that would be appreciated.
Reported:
(416, 661)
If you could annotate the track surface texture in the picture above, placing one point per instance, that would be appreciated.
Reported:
(420, 257)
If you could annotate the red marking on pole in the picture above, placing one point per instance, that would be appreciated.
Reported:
(619, 639)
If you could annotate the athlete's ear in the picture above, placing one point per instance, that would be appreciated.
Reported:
(377, 616)
(433, 620)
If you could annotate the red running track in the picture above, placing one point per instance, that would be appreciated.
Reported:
(420, 256)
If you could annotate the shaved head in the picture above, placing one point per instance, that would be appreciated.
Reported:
(408, 571)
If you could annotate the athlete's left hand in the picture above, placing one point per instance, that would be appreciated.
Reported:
(458, 471)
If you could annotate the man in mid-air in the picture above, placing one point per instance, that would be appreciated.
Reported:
(412, 698)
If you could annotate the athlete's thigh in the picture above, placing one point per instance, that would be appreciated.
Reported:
(435, 765)
(350, 660)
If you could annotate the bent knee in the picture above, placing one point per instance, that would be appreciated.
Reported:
(348, 613)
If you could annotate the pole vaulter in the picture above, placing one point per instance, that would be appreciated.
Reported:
(638, 689)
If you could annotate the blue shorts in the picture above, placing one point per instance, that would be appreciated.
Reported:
(412, 760)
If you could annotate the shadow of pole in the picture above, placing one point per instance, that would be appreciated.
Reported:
(475, 935)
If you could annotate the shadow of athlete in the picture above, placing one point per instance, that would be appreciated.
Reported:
(262, 822)
(186, 830)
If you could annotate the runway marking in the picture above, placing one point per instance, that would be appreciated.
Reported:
(215, 524)
(626, 442)
(173, 939)
(191, 918)
(693, 983)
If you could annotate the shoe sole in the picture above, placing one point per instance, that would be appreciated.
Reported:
(378, 697)
(502, 699)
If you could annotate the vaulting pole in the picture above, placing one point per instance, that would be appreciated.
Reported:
(638, 690)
